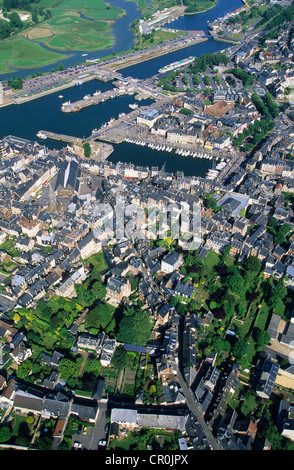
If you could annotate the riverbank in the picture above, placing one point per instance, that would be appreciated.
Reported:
(146, 55)
(69, 27)
(91, 72)
(69, 34)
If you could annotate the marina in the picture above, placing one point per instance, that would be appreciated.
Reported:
(46, 113)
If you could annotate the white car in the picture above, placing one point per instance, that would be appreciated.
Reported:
(77, 445)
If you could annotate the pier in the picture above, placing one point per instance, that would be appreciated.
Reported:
(131, 88)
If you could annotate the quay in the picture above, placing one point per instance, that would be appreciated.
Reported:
(100, 151)
(151, 53)
(131, 87)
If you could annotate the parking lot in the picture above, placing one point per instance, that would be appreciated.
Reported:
(89, 438)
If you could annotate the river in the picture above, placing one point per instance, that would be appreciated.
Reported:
(45, 113)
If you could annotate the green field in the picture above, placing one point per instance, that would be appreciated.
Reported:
(65, 31)
(20, 53)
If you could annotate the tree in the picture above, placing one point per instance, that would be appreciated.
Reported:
(5, 434)
(87, 149)
(282, 233)
(99, 316)
(98, 290)
(249, 403)
(69, 368)
(235, 282)
(15, 82)
(120, 358)
(240, 348)
(261, 337)
(16, 317)
(15, 20)
(252, 264)
(276, 294)
(134, 328)
(225, 254)
(34, 16)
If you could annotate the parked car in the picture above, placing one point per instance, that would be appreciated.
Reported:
(78, 445)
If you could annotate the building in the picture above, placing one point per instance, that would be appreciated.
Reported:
(171, 262)
(148, 117)
(267, 378)
(134, 419)
(116, 289)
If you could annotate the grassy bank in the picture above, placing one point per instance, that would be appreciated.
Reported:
(74, 25)
(19, 53)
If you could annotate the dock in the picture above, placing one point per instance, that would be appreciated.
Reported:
(100, 151)
(152, 53)
(89, 100)
(133, 88)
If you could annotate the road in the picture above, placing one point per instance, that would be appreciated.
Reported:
(197, 411)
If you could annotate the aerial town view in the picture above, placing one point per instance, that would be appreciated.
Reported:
(146, 227)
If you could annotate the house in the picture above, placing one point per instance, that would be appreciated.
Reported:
(285, 420)
(116, 289)
(184, 291)
(25, 244)
(20, 353)
(171, 262)
(134, 419)
(28, 401)
(163, 314)
(268, 375)
(108, 348)
(25, 300)
(88, 341)
(88, 246)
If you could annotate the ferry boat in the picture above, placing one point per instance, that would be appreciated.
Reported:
(133, 106)
(176, 65)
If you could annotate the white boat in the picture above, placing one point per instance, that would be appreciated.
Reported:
(41, 136)
(133, 106)
(79, 83)
(86, 97)
(60, 96)
(176, 65)
(66, 103)
(97, 92)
